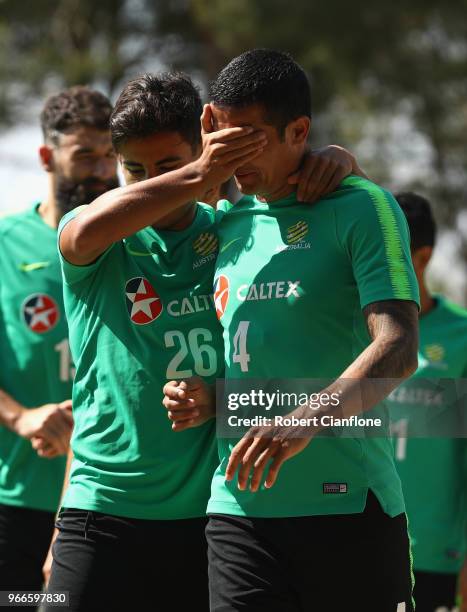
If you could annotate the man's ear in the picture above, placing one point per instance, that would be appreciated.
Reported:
(425, 254)
(421, 258)
(297, 131)
(47, 158)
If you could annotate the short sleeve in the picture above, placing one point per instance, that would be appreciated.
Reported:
(72, 273)
(373, 230)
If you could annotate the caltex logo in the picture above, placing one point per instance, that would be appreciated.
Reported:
(221, 295)
(205, 244)
(40, 312)
(143, 303)
(297, 232)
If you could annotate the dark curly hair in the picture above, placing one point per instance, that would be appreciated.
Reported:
(153, 103)
(74, 107)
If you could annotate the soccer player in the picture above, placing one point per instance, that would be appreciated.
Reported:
(433, 471)
(138, 266)
(306, 292)
(36, 368)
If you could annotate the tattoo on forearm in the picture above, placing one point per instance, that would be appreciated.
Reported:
(393, 327)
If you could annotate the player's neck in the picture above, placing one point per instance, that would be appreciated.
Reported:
(49, 211)
(427, 302)
(278, 194)
(285, 189)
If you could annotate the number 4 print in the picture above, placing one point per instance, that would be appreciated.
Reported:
(240, 354)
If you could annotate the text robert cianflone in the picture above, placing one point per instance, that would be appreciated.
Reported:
(325, 420)
(262, 399)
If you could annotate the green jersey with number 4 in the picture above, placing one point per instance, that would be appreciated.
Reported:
(36, 368)
(141, 314)
(434, 471)
(291, 282)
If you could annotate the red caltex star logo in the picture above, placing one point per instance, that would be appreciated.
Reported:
(143, 303)
(40, 312)
(221, 295)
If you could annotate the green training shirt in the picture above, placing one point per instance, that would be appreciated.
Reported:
(142, 314)
(434, 471)
(291, 282)
(36, 368)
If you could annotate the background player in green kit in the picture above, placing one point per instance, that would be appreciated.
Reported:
(306, 292)
(433, 471)
(36, 369)
(138, 268)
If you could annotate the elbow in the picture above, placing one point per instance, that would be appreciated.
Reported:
(78, 240)
(410, 339)
(82, 239)
(409, 353)
(400, 356)
(411, 365)
(79, 237)
(94, 228)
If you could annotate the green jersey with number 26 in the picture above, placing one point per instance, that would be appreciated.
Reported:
(434, 471)
(36, 367)
(139, 315)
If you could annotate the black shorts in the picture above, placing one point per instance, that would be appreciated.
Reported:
(337, 563)
(112, 563)
(434, 591)
(25, 537)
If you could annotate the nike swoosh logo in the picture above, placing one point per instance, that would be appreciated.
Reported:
(226, 246)
(37, 265)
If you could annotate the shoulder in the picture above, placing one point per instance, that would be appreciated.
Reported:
(362, 195)
(365, 208)
(454, 312)
(12, 221)
(452, 318)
